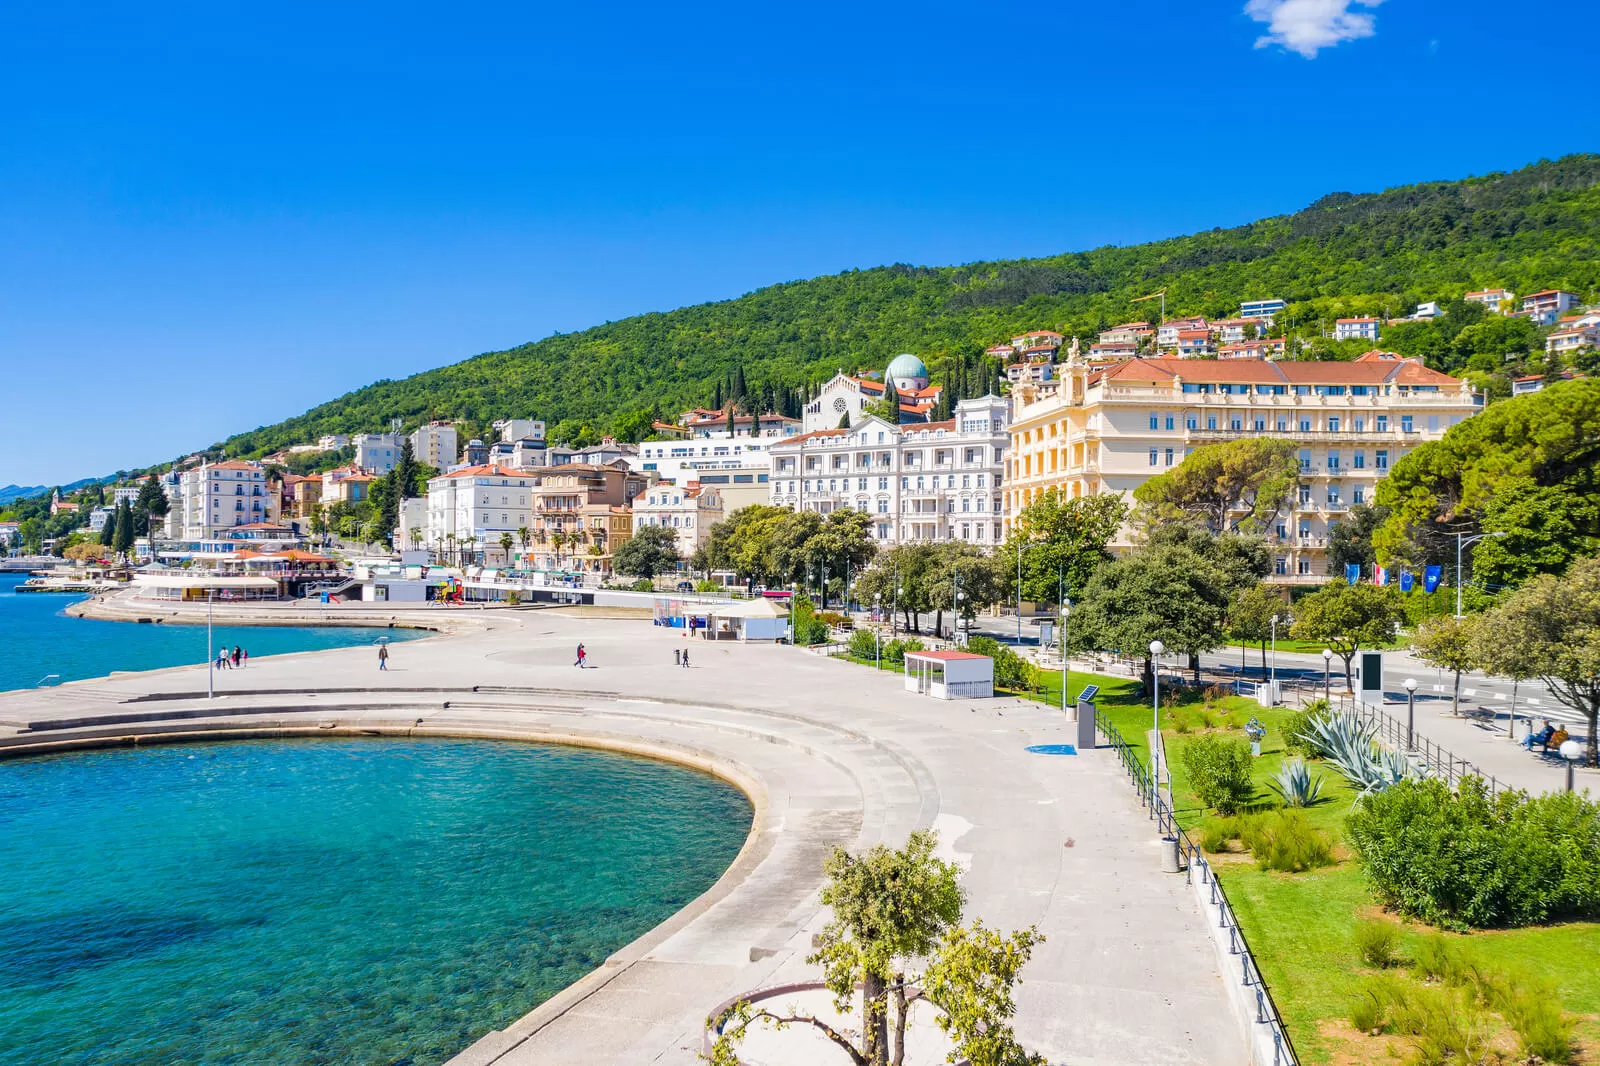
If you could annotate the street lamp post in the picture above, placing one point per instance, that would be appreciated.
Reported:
(1272, 675)
(1459, 545)
(1066, 609)
(1327, 671)
(1019, 595)
(1571, 751)
(1411, 713)
(894, 613)
(1156, 648)
(211, 655)
(877, 631)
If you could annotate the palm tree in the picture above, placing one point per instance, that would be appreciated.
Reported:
(558, 540)
(505, 545)
(523, 536)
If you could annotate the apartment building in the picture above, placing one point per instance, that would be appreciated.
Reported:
(1493, 299)
(1167, 332)
(930, 481)
(1111, 430)
(1354, 329)
(436, 445)
(1127, 333)
(514, 429)
(581, 516)
(377, 453)
(739, 468)
(1267, 309)
(1545, 307)
(470, 508)
(214, 497)
(1194, 343)
(688, 510)
(1562, 341)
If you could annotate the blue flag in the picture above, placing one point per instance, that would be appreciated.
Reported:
(1406, 580)
(1430, 578)
(1352, 572)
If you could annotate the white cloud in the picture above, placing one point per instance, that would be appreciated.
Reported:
(1306, 26)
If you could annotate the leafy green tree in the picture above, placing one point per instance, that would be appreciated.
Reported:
(1347, 618)
(650, 551)
(1556, 623)
(904, 578)
(1251, 614)
(970, 981)
(1255, 474)
(1062, 542)
(1168, 593)
(1528, 464)
(1448, 643)
(957, 567)
(1350, 538)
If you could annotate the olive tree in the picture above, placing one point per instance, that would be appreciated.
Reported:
(1447, 642)
(1346, 618)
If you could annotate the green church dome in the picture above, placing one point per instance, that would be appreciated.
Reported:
(906, 366)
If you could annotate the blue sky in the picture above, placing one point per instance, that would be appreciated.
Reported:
(215, 215)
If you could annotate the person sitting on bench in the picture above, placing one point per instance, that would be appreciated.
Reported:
(1541, 736)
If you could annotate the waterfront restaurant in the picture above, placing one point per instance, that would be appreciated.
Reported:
(950, 675)
(188, 586)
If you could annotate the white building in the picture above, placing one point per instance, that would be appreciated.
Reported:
(1493, 299)
(1545, 307)
(469, 509)
(435, 444)
(1426, 312)
(1266, 309)
(523, 453)
(688, 510)
(1167, 332)
(332, 442)
(608, 451)
(130, 493)
(843, 395)
(100, 516)
(1572, 340)
(219, 496)
(931, 481)
(1350, 329)
(1130, 333)
(515, 429)
(738, 468)
(377, 453)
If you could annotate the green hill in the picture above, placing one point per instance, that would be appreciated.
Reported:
(1534, 228)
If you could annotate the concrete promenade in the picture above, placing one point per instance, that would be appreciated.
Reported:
(831, 754)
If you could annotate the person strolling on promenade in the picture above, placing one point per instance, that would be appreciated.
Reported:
(222, 658)
(686, 657)
(383, 657)
(236, 654)
(581, 656)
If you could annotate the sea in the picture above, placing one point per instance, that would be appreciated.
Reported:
(38, 639)
(369, 902)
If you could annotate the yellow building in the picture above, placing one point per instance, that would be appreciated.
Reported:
(1108, 430)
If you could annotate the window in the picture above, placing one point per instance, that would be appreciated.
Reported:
(1171, 422)
(980, 480)
(1333, 461)
(1406, 424)
(1155, 421)
(1169, 457)
(1191, 422)
(1236, 423)
(1358, 495)
(1283, 531)
(1281, 566)
(1305, 494)
(1304, 566)
(883, 506)
(1261, 424)
(1305, 425)
(1333, 424)
(1383, 459)
(905, 482)
(1433, 423)
(1305, 460)
(1359, 460)
(1283, 425)
(1383, 423)
(883, 484)
(1211, 421)
(1152, 457)
(966, 505)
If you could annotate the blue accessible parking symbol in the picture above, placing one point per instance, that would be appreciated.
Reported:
(1052, 749)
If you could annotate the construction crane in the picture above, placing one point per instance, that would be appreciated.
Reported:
(1162, 294)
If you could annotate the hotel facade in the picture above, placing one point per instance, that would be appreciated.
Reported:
(1111, 430)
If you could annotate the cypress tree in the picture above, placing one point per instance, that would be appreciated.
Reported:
(755, 422)
(891, 402)
(716, 400)
(730, 417)
(122, 539)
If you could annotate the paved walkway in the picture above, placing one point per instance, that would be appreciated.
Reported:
(834, 755)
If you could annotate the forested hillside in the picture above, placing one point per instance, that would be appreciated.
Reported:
(1379, 253)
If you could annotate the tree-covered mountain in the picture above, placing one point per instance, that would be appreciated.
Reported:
(1379, 253)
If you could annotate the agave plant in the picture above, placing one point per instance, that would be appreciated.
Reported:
(1351, 746)
(1295, 784)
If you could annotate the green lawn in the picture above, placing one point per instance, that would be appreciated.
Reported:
(1301, 926)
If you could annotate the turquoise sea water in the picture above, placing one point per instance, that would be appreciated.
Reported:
(328, 901)
(36, 639)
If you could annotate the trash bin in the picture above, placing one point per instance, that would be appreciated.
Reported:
(1171, 855)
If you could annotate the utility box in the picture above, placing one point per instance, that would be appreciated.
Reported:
(1087, 740)
(1369, 678)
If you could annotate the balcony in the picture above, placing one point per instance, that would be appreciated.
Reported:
(1343, 436)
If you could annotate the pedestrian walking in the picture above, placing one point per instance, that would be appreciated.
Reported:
(685, 657)
(236, 652)
(222, 658)
(581, 655)
(383, 657)
(244, 657)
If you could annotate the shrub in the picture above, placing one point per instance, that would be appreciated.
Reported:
(1297, 725)
(1011, 670)
(1462, 860)
(1219, 772)
(1285, 840)
(1378, 944)
(1294, 783)
(895, 650)
(1369, 1011)
(835, 619)
(1543, 1029)
(644, 584)
(864, 645)
(808, 628)
(707, 585)
(1215, 834)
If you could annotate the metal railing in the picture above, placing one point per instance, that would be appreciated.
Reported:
(1193, 858)
(45, 682)
(1439, 761)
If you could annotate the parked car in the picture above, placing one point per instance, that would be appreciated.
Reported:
(686, 586)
